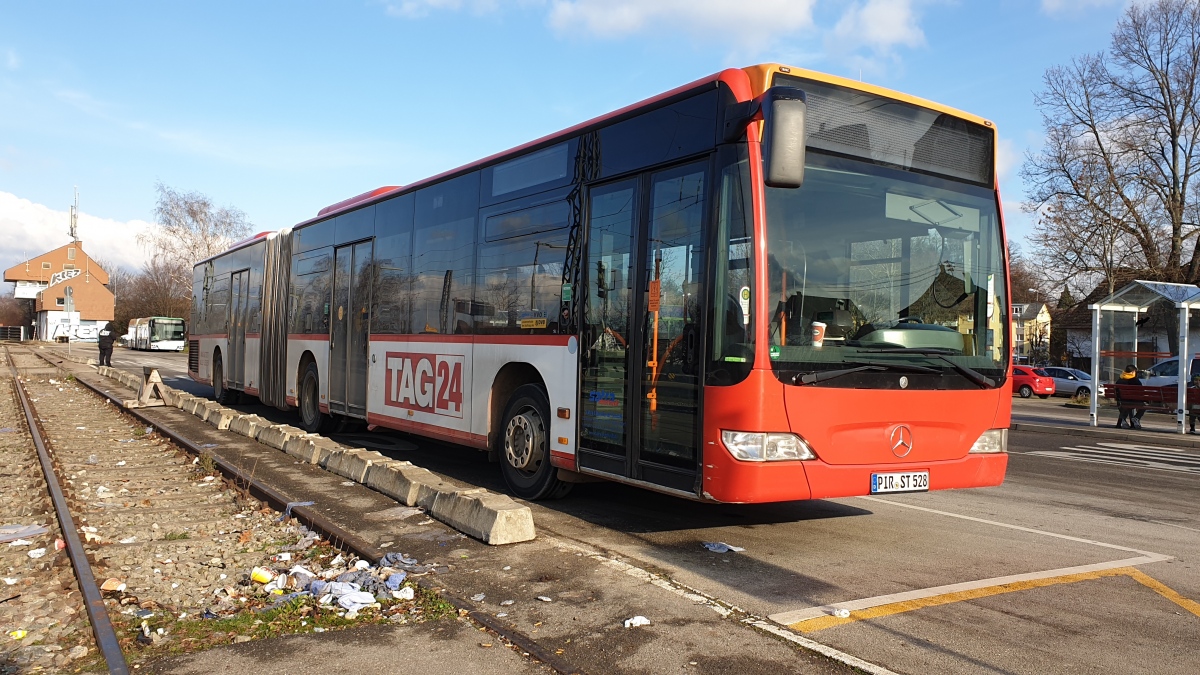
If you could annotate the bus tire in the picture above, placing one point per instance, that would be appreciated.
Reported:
(523, 446)
(308, 401)
(221, 393)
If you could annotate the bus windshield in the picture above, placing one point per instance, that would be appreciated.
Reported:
(167, 330)
(885, 272)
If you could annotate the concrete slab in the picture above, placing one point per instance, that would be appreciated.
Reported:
(492, 518)
(221, 417)
(277, 435)
(249, 425)
(353, 464)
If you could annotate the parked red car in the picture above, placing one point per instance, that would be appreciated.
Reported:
(1029, 381)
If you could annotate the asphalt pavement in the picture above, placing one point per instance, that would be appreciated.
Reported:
(1084, 561)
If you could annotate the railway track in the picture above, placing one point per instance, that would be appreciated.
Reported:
(164, 528)
(123, 508)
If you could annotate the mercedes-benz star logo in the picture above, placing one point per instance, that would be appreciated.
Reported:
(901, 439)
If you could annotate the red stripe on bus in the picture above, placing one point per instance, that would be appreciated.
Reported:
(539, 340)
(562, 460)
(430, 430)
(214, 335)
(308, 337)
(290, 400)
(253, 391)
(323, 407)
(253, 335)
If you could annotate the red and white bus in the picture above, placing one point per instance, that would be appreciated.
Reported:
(768, 284)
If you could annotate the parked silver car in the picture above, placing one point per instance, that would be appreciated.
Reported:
(1070, 381)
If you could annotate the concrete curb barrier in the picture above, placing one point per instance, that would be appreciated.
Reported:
(492, 518)
(249, 425)
(277, 435)
(353, 463)
(221, 417)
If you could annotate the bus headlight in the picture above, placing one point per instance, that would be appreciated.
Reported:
(752, 446)
(992, 441)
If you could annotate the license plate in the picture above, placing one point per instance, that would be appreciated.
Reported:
(908, 481)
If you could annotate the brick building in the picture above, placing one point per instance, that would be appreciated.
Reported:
(62, 279)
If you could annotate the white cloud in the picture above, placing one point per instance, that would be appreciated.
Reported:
(416, 9)
(747, 23)
(879, 25)
(28, 229)
(1007, 157)
(1060, 7)
(11, 60)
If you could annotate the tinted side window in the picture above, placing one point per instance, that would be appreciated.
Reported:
(312, 274)
(678, 130)
(540, 170)
(312, 237)
(520, 284)
(353, 226)
(395, 283)
(444, 255)
(1019, 371)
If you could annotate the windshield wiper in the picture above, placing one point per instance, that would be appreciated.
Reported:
(941, 353)
(822, 375)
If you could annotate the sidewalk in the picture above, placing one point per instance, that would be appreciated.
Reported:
(1052, 416)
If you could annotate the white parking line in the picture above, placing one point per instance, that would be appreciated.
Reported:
(792, 617)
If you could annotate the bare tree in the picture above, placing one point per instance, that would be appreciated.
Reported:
(1113, 184)
(189, 229)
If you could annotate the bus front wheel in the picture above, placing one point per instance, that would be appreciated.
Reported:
(311, 418)
(524, 447)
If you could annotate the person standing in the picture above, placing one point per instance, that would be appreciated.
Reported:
(1131, 415)
(108, 335)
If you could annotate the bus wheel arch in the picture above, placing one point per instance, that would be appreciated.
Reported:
(519, 433)
(221, 393)
(308, 395)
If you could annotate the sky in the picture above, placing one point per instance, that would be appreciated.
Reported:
(282, 108)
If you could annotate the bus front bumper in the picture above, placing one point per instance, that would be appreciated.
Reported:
(729, 480)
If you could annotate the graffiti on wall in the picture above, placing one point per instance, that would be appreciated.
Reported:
(77, 333)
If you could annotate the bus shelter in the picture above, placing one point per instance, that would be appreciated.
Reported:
(1123, 310)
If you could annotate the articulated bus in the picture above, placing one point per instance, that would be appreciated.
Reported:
(769, 284)
(156, 333)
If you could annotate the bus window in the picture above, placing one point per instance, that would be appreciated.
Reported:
(520, 284)
(444, 255)
(395, 284)
(733, 283)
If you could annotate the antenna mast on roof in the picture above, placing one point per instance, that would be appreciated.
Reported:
(74, 218)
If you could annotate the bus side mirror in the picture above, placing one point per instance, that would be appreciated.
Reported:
(782, 111)
(783, 139)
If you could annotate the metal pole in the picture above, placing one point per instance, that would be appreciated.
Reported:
(1095, 364)
(1185, 367)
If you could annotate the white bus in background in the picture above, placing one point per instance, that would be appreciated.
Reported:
(156, 333)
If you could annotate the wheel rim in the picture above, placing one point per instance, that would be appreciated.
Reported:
(1082, 392)
(525, 441)
(1026, 392)
(308, 401)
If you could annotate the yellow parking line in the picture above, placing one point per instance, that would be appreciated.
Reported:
(1165, 591)
(823, 622)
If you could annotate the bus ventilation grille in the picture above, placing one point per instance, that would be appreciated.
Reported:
(193, 356)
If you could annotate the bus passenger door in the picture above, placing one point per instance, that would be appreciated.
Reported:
(673, 261)
(640, 386)
(239, 292)
(348, 336)
(605, 434)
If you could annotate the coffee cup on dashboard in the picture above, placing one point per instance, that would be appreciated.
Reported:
(818, 334)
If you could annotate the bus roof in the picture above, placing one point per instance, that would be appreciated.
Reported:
(746, 82)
